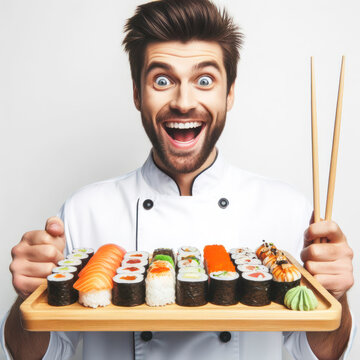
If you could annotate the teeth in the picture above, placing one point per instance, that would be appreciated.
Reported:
(182, 125)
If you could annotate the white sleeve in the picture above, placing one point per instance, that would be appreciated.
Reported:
(61, 346)
(297, 344)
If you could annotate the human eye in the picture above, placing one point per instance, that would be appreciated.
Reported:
(162, 81)
(204, 81)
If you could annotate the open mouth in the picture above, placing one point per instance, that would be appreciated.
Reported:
(184, 132)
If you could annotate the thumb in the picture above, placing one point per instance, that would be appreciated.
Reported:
(54, 226)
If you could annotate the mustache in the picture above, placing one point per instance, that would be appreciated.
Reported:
(168, 114)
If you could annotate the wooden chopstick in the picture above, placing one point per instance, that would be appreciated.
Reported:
(335, 148)
(315, 152)
(335, 145)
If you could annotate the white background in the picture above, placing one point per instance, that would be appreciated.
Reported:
(67, 117)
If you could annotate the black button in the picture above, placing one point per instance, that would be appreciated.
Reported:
(146, 335)
(223, 203)
(225, 336)
(148, 204)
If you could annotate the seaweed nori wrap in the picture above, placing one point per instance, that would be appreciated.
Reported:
(164, 251)
(84, 258)
(285, 277)
(224, 287)
(255, 288)
(279, 290)
(88, 251)
(128, 290)
(60, 289)
(71, 262)
(191, 289)
(67, 269)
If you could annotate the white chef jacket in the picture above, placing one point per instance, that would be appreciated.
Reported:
(142, 210)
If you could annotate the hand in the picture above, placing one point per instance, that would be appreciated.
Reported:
(331, 262)
(36, 255)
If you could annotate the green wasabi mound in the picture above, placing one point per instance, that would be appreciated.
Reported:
(300, 298)
(165, 258)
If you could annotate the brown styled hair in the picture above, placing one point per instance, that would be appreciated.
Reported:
(181, 20)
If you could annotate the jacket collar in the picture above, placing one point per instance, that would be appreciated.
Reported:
(165, 185)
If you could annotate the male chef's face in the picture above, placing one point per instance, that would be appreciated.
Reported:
(183, 101)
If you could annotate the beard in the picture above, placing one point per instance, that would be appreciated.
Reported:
(184, 161)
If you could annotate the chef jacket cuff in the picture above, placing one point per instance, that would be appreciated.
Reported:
(3, 343)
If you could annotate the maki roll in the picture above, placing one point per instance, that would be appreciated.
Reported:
(255, 288)
(88, 251)
(128, 290)
(135, 262)
(164, 251)
(66, 269)
(285, 277)
(247, 260)
(191, 262)
(240, 250)
(84, 258)
(71, 262)
(224, 287)
(185, 251)
(250, 267)
(60, 289)
(191, 269)
(191, 289)
(160, 284)
(143, 255)
(131, 270)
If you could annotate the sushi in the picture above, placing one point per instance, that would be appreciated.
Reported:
(285, 277)
(128, 290)
(60, 289)
(160, 284)
(191, 289)
(255, 288)
(95, 279)
(224, 287)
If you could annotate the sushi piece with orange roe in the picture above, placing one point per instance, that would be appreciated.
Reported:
(96, 278)
(217, 259)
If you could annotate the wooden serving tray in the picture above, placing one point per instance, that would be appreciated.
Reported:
(37, 315)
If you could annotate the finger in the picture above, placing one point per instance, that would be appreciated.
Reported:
(324, 229)
(54, 226)
(41, 237)
(43, 254)
(328, 267)
(325, 252)
(25, 286)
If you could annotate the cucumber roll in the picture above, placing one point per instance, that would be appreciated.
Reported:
(223, 287)
(88, 251)
(191, 289)
(84, 258)
(60, 289)
(192, 269)
(255, 288)
(128, 290)
(71, 262)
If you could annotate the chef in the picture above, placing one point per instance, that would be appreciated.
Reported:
(183, 56)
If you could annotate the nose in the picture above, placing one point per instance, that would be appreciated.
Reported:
(184, 98)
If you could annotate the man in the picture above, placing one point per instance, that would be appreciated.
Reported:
(183, 56)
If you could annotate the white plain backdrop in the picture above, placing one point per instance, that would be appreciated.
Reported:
(67, 117)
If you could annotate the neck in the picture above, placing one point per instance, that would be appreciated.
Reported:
(185, 181)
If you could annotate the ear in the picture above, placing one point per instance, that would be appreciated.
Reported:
(136, 97)
(230, 97)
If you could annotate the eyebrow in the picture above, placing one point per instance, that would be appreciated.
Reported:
(167, 67)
